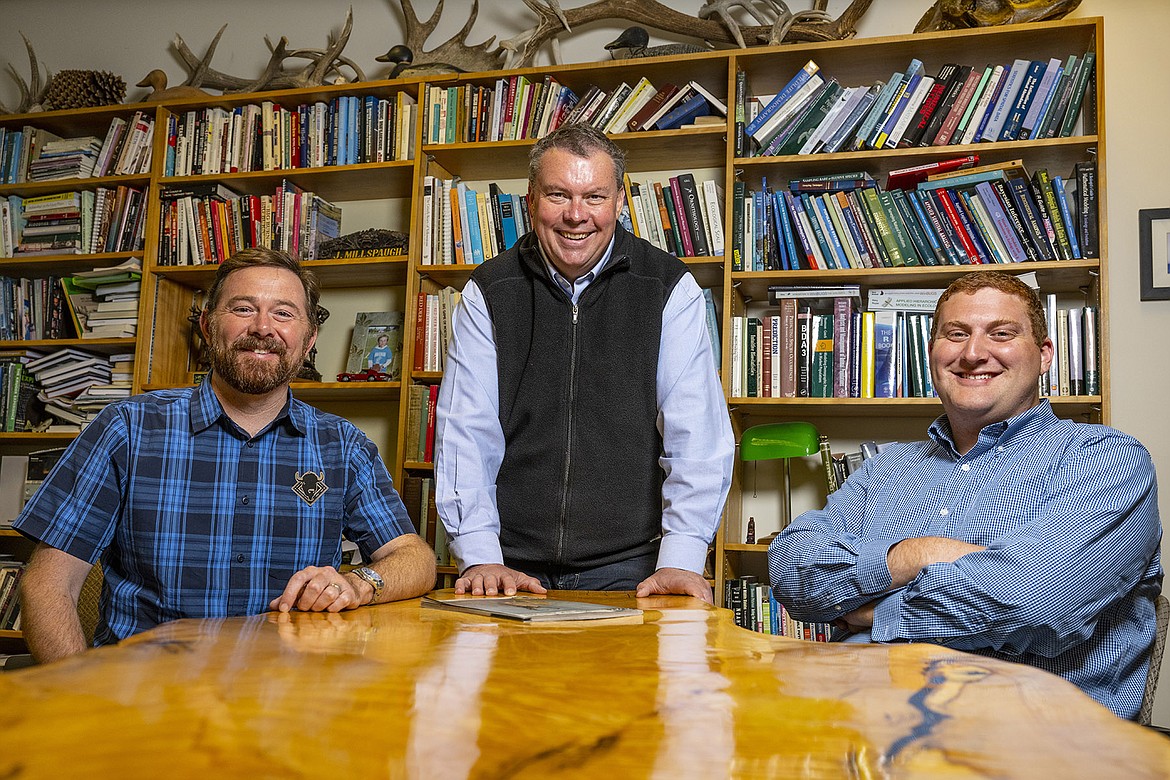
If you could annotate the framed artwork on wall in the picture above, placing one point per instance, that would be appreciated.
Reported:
(1154, 246)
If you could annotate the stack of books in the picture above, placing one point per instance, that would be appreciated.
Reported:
(62, 376)
(104, 301)
(18, 412)
(65, 158)
(52, 225)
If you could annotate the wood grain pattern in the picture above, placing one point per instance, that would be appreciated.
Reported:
(397, 691)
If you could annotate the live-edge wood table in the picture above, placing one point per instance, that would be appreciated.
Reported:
(402, 692)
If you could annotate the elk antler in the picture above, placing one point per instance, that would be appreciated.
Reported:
(553, 21)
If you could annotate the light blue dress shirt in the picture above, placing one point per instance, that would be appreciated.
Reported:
(1068, 513)
(698, 445)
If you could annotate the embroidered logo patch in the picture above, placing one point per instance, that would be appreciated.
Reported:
(310, 486)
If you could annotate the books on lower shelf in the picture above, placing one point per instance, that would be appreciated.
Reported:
(821, 343)
(69, 386)
(813, 113)
(205, 223)
(108, 219)
(754, 607)
(418, 495)
(529, 609)
(680, 215)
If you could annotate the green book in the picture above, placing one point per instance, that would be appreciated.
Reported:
(821, 369)
(811, 118)
(873, 204)
(910, 255)
(1077, 96)
(915, 231)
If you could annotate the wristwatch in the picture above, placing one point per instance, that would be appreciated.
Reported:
(372, 577)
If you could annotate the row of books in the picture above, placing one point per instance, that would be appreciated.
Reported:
(203, 223)
(961, 104)
(34, 309)
(72, 385)
(512, 109)
(418, 494)
(678, 215)
(432, 328)
(108, 219)
(347, 130)
(10, 573)
(634, 108)
(754, 606)
(18, 391)
(421, 401)
(36, 154)
(818, 343)
(998, 214)
(462, 225)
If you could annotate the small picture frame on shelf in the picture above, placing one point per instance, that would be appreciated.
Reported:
(1154, 247)
(377, 343)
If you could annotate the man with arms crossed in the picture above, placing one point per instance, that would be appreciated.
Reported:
(1009, 533)
(583, 438)
(227, 499)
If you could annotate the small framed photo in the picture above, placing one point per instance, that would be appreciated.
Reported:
(377, 343)
(1154, 245)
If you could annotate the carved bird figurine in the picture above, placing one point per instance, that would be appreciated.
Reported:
(157, 81)
(634, 42)
(403, 58)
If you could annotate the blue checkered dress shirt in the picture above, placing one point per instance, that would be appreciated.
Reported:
(194, 518)
(1069, 513)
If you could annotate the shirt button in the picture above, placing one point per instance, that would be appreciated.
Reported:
(244, 500)
(966, 467)
(251, 444)
(240, 558)
(944, 512)
(999, 449)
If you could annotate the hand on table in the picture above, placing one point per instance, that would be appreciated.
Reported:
(318, 589)
(492, 579)
(667, 581)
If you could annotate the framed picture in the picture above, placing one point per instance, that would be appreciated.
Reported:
(377, 343)
(1154, 244)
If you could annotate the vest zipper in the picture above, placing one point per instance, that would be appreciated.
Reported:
(569, 443)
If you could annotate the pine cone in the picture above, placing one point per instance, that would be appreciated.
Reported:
(82, 88)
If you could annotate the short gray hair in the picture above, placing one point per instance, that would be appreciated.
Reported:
(580, 140)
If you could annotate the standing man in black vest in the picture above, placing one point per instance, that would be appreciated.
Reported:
(583, 437)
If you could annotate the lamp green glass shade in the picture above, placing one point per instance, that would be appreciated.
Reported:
(772, 441)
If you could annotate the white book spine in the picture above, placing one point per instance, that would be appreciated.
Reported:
(714, 213)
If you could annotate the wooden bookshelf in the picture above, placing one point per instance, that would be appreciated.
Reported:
(164, 337)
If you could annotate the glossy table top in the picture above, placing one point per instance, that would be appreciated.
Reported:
(402, 692)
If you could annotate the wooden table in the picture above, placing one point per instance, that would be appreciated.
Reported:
(402, 692)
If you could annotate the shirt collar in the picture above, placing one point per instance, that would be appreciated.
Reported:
(574, 289)
(999, 434)
(206, 410)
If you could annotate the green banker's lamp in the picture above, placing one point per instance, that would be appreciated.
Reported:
(780, 441)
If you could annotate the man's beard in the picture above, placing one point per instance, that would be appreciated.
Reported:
(255, 377)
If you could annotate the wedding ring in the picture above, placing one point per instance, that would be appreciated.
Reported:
(335, 585)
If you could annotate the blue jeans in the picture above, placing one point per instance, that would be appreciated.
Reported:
(622, 575)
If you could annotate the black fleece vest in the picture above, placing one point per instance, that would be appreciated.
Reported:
(580, 484)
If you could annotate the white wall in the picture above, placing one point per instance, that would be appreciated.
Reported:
(131, 37)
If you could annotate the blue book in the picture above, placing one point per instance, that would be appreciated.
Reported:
(943, 230)
(1043, 95)
(695, 105)
(961, 210)
(508, 220)
(472, 227)
(788, 254)
(1001, 222)
(885, 355)
(913, 76)
(1029, 88)
(837, 251)
(804, 245)
(932, 236)
(1013, 80)
(775, 104)
(1066, 215)
(876, 112)
(989, 110)
(713, 327)
(759, 261)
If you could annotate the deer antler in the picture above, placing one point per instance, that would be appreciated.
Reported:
(453, 51)
(323, 62)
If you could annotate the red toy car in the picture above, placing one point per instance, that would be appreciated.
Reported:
(365, 375)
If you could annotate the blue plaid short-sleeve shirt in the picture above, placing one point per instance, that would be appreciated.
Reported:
(193, 518)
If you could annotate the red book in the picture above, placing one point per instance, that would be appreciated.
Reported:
(420, 332)
(908, 178)
(949, 208)
(684, 229)
(432, 402)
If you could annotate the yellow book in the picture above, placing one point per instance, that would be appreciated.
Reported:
(867, 355)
